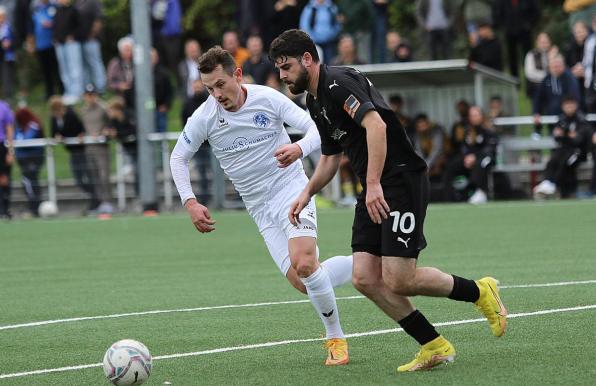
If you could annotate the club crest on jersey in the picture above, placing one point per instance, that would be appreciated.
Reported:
(261, 120)
(351, 105)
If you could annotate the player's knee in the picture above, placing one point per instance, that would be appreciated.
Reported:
(305, 268)
(400, 286)
(305, 263)
(364, 284)
(3, 180)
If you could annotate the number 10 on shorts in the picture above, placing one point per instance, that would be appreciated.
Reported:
(400, 221)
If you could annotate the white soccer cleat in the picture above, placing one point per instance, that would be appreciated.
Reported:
(479, 197)
(545, 188)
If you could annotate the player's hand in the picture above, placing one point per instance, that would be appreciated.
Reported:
(9, 159)
(297, 206)
(200, 216)
(377, 207)
(287, 154)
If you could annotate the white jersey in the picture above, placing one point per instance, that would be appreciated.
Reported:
(244, 142)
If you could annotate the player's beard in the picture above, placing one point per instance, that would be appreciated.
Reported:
(301, 83)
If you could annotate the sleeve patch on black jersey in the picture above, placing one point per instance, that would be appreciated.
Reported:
(351, 105)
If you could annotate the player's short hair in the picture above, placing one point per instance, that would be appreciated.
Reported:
(214, 57)
(293, 43)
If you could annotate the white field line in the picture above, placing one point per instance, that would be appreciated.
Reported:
(293, 341)
(250, 305)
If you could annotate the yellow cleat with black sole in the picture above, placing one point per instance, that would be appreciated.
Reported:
(437, 351)
(337, 352)
(490, 304)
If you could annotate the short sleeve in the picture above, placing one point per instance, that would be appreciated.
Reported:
(351, 96)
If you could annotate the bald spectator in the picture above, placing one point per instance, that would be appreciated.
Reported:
(258, 66)
(188, 68)
(558, 83)
(231, 43)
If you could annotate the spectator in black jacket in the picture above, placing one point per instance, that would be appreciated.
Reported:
(163, 92)
(487, 50)
(65, 124)
(517, 19)
(549, 95)
(574, 55)
(475, 159)
(573, 136)
(122, 127)
(257, 66)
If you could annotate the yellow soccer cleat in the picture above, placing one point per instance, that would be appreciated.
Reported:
(337, 352)
(489, 303)
(431, 354)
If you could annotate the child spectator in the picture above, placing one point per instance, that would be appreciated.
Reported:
(573, 136)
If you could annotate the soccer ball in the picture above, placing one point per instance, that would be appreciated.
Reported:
(127, 362)
(47, 209)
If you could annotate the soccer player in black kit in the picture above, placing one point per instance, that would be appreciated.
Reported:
(387, 234)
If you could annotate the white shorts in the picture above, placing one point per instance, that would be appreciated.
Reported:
(275, 227)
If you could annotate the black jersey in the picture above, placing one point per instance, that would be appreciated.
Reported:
(344, 95)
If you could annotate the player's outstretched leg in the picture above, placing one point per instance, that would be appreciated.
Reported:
(321, 295)
(490, 304)
(339, 269)
(404, 278)
(437, 351)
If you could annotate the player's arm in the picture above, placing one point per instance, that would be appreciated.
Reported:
(179, 161)
(352, 94)
(301, 121)
(376, 139)
(324, 172)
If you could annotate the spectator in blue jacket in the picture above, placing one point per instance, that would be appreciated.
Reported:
(30, 159)
(166, 19)
(43, 27)
(548, 96)
(319, 20)
(7, 55)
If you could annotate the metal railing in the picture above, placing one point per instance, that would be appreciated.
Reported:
(218, 183)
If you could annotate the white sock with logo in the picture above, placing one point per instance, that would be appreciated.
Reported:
(339, 269)
(321, 294)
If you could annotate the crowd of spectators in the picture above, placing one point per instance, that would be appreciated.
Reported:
(88, 98)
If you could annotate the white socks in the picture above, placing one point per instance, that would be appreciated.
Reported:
(339, 269)
(321, 294)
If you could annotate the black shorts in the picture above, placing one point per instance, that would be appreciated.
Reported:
(402, 233)
(4, 167)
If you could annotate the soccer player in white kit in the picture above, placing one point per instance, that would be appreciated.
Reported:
(244, 125)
